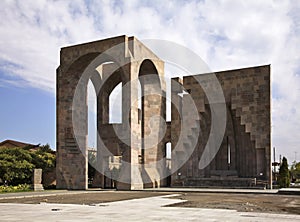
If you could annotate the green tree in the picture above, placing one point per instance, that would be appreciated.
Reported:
(295, 170)
(44, 158)
(284, 175)
(91, 164)
(15, 165)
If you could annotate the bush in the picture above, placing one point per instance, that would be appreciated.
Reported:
(18, 188)
(295, 171)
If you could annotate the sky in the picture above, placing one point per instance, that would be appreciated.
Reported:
(225, 34)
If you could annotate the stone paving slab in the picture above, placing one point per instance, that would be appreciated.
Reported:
(145, 209)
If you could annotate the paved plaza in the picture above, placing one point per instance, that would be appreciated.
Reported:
(143, 209)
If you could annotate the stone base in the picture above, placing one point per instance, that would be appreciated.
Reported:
(230, 182)
(37, 187)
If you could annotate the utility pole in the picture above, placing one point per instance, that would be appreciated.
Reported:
(280, 159)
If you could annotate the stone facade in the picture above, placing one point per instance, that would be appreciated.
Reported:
(245, 148)
(243, 156)
(120, 59)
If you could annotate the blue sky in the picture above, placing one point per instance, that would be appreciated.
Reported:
(225, 34)
(27, 114)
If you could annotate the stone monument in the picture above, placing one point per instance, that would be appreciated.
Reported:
(37, 180)
(242, 159)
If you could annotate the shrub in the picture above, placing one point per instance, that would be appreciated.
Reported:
(18, 188)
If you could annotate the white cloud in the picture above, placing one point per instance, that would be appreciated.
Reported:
(226, 34)
(32, 33)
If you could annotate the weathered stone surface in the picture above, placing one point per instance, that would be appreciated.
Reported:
(140, 138)
(247, 97)
(37, 180)
(131, 60)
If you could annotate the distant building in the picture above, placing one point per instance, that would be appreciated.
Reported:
(14, 143)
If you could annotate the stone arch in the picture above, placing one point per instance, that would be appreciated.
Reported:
(111, 146)
(72, 144)
(68, 148)
(115, 105)
(153, 110)
(72, 150)
(147, 84)
(224, 163)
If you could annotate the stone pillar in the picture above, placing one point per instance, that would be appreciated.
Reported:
(176, 107)
(37, 180)
(71, 158)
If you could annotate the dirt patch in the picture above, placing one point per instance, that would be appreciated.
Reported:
(85, 198)
(242, 202)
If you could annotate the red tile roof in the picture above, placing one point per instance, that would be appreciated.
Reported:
(13, 143)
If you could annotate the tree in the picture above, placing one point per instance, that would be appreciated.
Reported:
(295, 170)
(91, 165)
(284, 175)
(44, 158)
(17, 164)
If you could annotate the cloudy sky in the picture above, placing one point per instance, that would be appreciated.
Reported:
(225, 34)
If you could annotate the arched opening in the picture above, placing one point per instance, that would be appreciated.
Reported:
(168, 156)
(91, 114)
(149, 84)
(139, 105)
(224, 163)
(115, 105)
(110, 115)
(168, 151)
(92, 132)
(72, 122)
(152, 109)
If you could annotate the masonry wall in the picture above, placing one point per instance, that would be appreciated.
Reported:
(247, 98)
(124, 139)
(244, 153)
